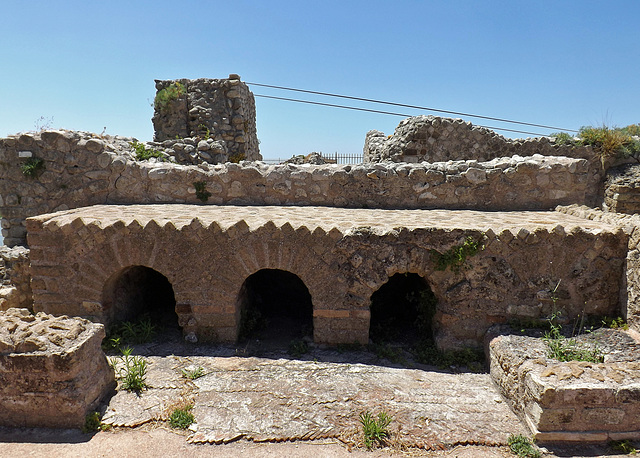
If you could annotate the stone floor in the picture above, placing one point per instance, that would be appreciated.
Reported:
(277, 398)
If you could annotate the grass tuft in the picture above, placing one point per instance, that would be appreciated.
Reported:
(181, 418)
(375, 428)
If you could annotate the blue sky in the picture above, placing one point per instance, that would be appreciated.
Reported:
(90, 65)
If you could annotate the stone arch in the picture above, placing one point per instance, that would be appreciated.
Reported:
(402, 310)
(274, 304)
(138, 290)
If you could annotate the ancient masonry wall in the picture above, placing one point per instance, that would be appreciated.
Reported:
(221, 110)
(622, 189)
(431, 139)
(53, 370)
(630, 294)
(342, 255)
(15, 277)
(78, 169)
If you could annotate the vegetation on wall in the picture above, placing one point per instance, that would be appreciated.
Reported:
(455, 256)
(201, 190)
(143, 153)
(165, 96)
(32, 167)
(608, 141)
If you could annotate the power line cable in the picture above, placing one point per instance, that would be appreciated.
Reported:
(381, 112)
(328, 94)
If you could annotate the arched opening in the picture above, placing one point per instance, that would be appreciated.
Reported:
(402, 311)
(275, 306)
(139, 292)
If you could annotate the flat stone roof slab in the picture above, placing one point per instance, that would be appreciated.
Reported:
(326, 218)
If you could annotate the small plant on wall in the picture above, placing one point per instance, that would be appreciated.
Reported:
(165, 96)
(201, 190)
(455, 256)
(32, 167)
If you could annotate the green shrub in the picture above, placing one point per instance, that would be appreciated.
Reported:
(165, 96)
(375, 429)
(181, 418)
(523, 447)
(143, 153)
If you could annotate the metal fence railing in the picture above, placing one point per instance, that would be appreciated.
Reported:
(334, 158)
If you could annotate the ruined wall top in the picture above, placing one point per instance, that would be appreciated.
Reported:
(432, 139)
(220, 111)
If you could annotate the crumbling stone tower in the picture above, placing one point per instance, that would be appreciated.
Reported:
(222, 110)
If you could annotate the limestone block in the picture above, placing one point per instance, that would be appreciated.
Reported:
(53, 369)
(571, 401)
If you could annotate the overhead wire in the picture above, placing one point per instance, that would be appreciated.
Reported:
(417, 107)
(380, 111)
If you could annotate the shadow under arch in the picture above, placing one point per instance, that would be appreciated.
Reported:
(275, 307)
(402, 311)
(138, 291)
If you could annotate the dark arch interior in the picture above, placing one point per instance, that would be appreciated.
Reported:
(275, 306)
(139, 292)
(402, 311)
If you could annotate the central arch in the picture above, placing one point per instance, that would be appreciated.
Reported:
(138, 291)
(402, 311)
(275, 305)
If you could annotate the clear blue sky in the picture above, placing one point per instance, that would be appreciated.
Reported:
(92, 64)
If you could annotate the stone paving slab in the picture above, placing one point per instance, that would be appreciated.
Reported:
(264, 399)
(325, 218)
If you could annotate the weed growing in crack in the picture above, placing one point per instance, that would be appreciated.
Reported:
(523, 447)
(624, 446)
(193, 373)
(92, 423)
(566, 349)
(32, 167)
(375, 428)
(131, 371)
(181, 418)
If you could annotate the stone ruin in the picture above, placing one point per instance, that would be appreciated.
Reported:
(53, 370)
(203, 239)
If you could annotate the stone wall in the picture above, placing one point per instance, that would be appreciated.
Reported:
(15, 277)
(342, 256)
(53, 370)
(222, 110)
(80, 169)
(432, 139)
(622, 189)
(630, 293)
